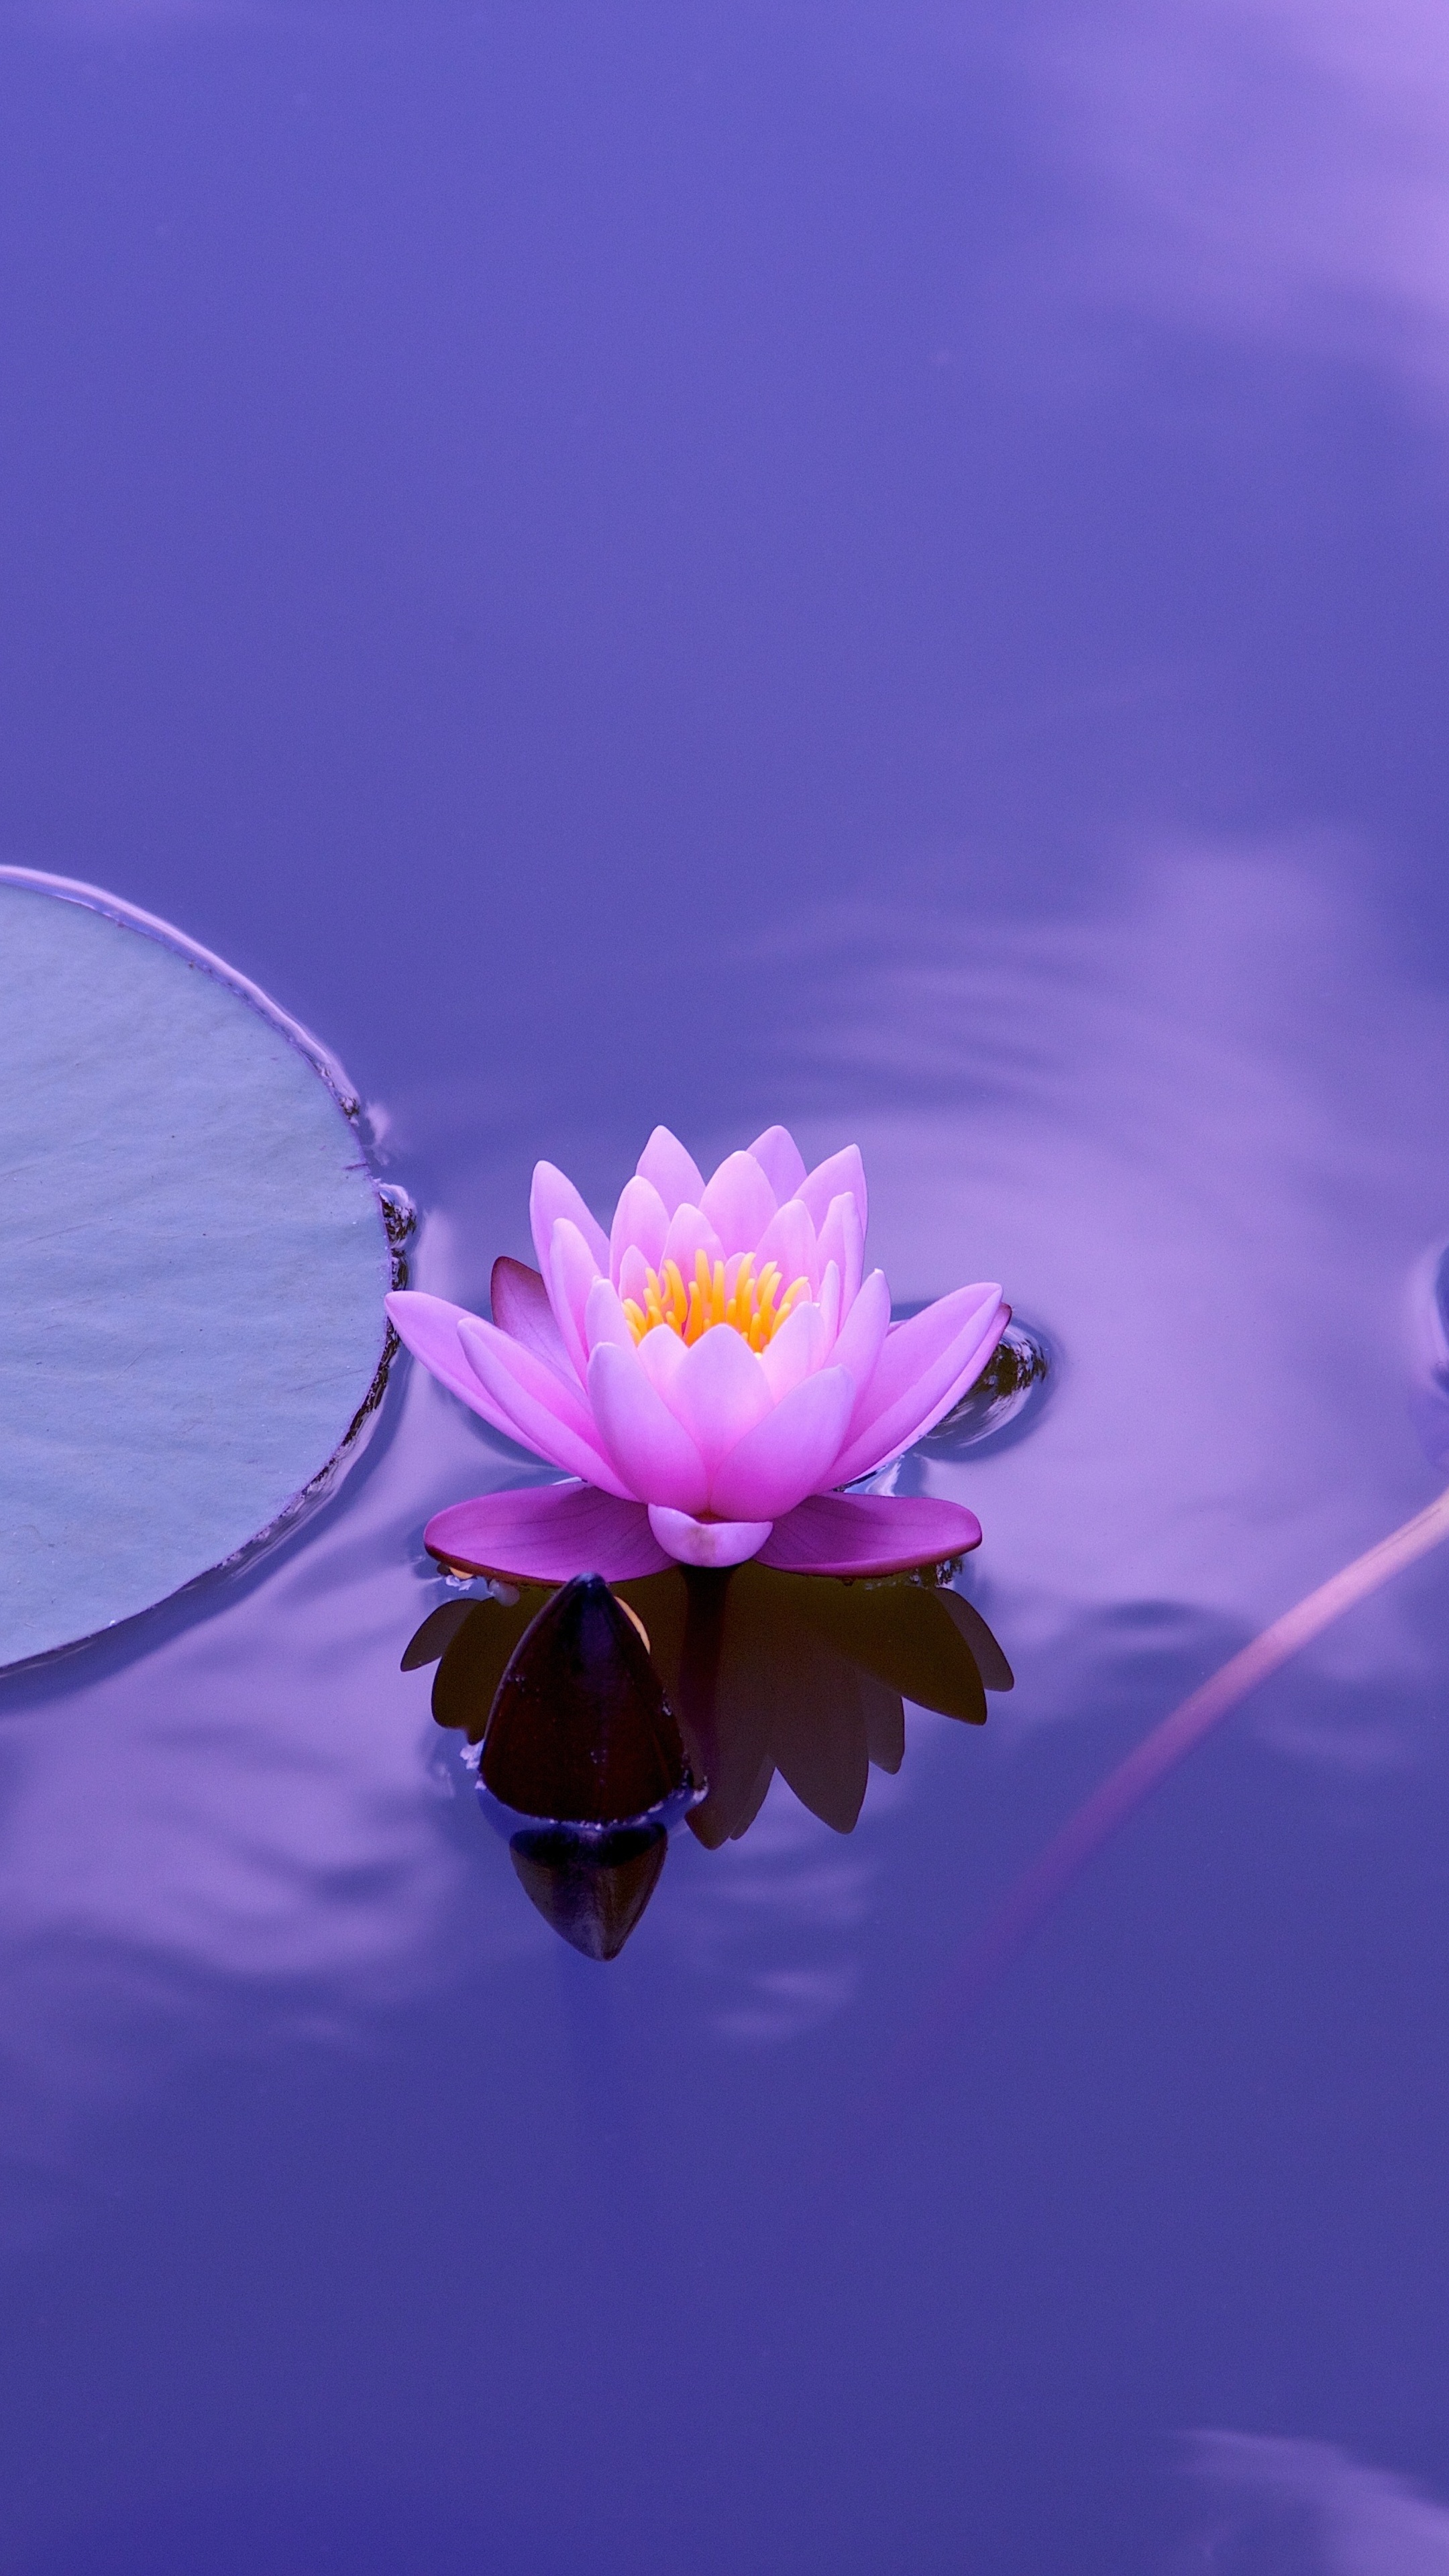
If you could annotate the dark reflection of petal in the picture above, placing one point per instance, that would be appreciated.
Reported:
(821, 1752)
(474, 1662)
(903, 1633)
(436, 1634)
(580, 1729)
(783, 1699)
(990, 1662)
(593, 1892)
(885, 1730)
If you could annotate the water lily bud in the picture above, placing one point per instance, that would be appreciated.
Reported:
(580, 1730)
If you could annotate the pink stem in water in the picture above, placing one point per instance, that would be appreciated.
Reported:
(1123, 1791)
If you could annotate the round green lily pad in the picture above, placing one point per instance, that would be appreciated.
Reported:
(198, 1253)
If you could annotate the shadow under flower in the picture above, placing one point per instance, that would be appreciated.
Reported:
(604, 1716)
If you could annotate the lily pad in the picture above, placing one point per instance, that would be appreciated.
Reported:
(199, 1253)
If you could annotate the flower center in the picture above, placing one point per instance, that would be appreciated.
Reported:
(754, 1306)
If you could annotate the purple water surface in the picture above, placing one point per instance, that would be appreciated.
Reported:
(876, 565)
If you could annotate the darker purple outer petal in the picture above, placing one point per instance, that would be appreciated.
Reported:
(521, 1309)
(851, 1534)
(548, 1534)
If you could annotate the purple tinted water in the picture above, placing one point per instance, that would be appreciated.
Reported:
(881, 566)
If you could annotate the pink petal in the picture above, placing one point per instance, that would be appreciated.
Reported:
(690, 1232)
(797, 1350)
(966, 1375)
(569, 1272)
(641, 1218)
(675, 1174)
(854, 1534)
(553, 1195)
(862, 1336)
(548, 1534)
(789, 1239)
(843, 1171)
(781, 1161)
(921, 1362)
(605, 1319)
(428, 1327)
(692, 1542)
(661, 1357)
(632, 1280)
(521, 1309)
(787, 1455)
(535, 1406)
(828, 1301)
(650, 1450)
(515, 1371)
(719, 1392)
(842, 1240)
(739, 1203)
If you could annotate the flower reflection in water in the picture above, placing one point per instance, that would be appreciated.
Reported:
(603, 1717)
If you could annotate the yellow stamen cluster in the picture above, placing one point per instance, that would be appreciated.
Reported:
(754, 1306)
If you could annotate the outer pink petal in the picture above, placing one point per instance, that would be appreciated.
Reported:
(650, 1450)
(605, 1319)
(521, 1309)
(739, 1203)
(852, 1534)
(781, 1161)
(569, 1273)
(789, 1239)
(641, 1218)
(787, 1455)
(842, 1171)
(920, 1363)
(675, 1174)
(428, 1327)
(798, 1350)
(828, 1300)
(553, 1195)
(862, 1337)
(690, 1232)
(718, 1543)
(548, 1534)
(719, 1392)
(842, 1240)
(966, 1375)
(537, 1407)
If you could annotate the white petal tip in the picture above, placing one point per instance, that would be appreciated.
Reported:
(717, 1543)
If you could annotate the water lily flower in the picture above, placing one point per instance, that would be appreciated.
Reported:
(708, 1375)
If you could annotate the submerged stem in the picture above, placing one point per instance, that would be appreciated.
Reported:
(1120, 1795)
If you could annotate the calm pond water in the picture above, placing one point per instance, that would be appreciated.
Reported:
(881, 566)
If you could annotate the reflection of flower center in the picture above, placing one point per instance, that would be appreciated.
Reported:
(730, 1294)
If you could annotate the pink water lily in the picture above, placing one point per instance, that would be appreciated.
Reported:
(707, 1375)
